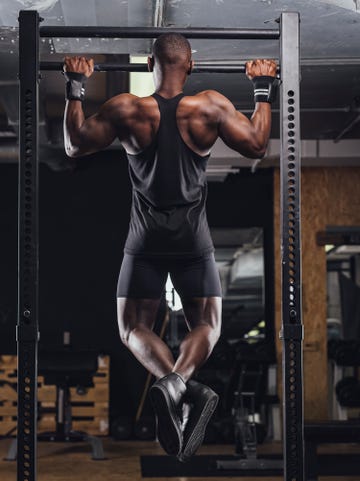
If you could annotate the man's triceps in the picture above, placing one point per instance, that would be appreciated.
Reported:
(93, 134)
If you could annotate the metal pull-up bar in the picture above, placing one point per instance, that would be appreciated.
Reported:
(154, 32)
(290, 245)
(142, 67)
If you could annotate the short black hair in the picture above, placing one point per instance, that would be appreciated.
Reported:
(172, 48)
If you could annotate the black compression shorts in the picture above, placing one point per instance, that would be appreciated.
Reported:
(145, 277)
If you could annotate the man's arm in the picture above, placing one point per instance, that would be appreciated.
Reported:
(249, 137)
(85, 136)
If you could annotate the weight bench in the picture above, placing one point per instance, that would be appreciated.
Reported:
(66, 368)
(331, 432)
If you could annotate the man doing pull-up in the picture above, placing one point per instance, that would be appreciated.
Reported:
(167, 138)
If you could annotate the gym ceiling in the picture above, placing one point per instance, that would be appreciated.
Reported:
(330, 66)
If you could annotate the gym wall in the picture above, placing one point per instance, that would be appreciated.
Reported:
(328, 197)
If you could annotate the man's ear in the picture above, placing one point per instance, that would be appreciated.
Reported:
(150, 62)
(192, 63)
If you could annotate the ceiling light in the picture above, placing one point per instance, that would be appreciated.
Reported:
(39, 5)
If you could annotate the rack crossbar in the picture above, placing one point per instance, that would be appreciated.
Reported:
(154, 32)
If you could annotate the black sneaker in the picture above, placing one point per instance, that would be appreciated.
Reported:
(166, 395)
(204, 401)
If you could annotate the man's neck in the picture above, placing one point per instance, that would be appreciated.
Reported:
(169, 84)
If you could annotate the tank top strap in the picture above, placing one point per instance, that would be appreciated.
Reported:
(167, 107)
(173, 100)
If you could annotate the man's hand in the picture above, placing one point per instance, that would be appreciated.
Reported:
(79, 65)
(260, 67)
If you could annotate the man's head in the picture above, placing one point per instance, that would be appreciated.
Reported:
(172, 50)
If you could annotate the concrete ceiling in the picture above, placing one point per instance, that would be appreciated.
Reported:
(330, 51)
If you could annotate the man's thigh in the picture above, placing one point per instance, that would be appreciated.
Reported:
(140, 287)
(197, 282)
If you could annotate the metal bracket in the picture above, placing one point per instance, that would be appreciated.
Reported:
(293, 332)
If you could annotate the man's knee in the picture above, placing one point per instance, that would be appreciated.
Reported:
(128, 331)
(212, 318)
(210, 330)
(135, 314)
(215, 332)
(126, 323)
(125, 332)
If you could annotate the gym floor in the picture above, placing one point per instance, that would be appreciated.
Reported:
(61, 462)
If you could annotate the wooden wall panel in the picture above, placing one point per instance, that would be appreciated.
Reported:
(328, 197)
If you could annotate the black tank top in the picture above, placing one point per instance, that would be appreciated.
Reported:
(168, 217)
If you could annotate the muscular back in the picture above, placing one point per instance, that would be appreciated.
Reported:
(137, 120)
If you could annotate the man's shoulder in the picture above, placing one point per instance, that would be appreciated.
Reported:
(127, 105)
(210, 94)
(208, 97)
(207, 102)
(124, 99)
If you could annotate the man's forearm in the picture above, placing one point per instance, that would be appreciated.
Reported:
(73, 120)
(262, 73)
(84, 136)
(261, 120)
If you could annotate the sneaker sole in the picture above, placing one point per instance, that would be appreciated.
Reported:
(168, 429)
(197, 436)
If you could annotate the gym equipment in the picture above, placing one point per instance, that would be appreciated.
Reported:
(200, 67)
(122, 428)
(249, 431)
(327, 433)
(65, 369)
(348, 391)
(290, 248)
(145, 428)
(344, 352)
